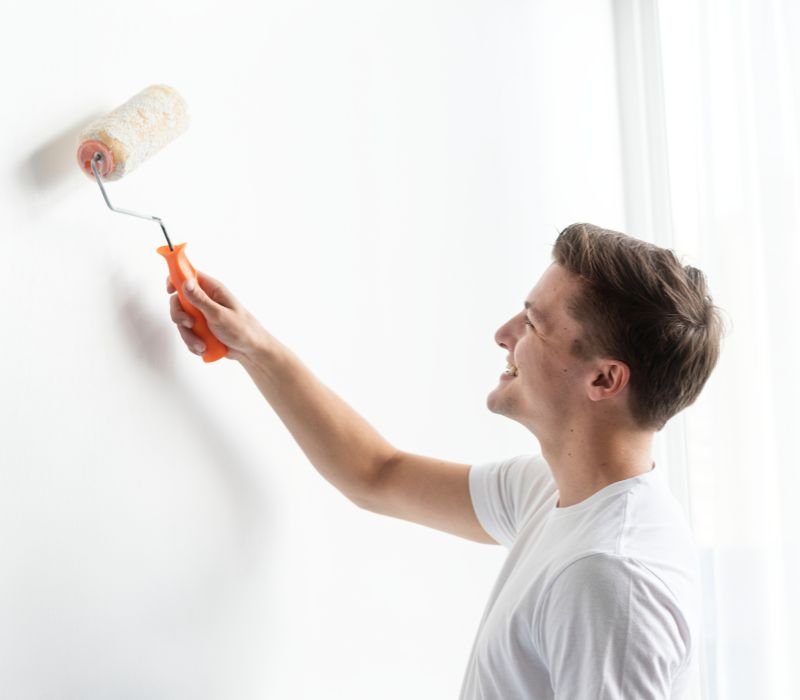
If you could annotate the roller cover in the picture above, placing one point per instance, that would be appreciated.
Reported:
(133, 132)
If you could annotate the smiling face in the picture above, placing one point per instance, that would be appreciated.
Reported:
(550, 382)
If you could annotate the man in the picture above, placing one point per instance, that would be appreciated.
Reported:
(598, 597)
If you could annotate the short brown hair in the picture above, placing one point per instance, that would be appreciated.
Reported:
(639, 304)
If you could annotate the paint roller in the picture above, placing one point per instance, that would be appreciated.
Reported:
(116, 144)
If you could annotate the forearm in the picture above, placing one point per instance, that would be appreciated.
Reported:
(344, 448)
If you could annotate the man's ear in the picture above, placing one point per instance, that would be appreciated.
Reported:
(611, 378)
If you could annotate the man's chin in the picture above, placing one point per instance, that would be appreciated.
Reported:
(497, 404)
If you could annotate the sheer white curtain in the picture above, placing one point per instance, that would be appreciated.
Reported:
(710, 98)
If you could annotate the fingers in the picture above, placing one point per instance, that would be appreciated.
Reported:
(177, 314)
(184, 322)
(223, 314)
(195, 344)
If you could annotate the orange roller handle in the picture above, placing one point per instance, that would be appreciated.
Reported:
(180, 270)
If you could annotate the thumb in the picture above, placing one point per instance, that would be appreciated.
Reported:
(206, 292)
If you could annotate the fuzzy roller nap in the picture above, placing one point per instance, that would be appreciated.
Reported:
(117, 143)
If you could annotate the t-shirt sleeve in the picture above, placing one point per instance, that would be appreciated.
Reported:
(609, 629)
(501, 495)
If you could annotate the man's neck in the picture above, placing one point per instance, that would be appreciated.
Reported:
(582, 466)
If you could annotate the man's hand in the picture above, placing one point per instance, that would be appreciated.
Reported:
(227, 319)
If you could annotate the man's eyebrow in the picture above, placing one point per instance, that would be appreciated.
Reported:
(536, 312)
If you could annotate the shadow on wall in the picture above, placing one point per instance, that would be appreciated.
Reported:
(51, 173)
(151, 342)
(52, 170)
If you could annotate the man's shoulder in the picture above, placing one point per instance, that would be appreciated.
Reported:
(605, 569)
(605, 581)
(605, 605)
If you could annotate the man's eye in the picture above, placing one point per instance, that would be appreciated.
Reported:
(527, 322)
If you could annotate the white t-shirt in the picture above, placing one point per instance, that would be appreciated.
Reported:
(597, 600)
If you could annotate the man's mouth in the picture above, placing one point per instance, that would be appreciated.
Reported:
(511, 370)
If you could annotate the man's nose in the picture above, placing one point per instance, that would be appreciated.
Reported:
(504, 336)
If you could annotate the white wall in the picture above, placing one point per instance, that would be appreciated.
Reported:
(380, 183)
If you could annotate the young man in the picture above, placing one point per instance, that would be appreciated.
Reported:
(598, 597)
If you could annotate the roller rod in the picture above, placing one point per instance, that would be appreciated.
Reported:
(97, 158)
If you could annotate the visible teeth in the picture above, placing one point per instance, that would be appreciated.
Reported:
(510, 369)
